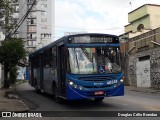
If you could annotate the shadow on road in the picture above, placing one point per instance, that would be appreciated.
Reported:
(88, 104)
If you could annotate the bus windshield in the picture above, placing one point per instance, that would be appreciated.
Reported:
(97, 60)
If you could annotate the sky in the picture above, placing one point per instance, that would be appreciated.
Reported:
(94, 16)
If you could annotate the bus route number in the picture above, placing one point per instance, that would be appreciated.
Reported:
(112, 82)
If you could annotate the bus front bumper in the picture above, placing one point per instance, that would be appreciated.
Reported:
(75, 94)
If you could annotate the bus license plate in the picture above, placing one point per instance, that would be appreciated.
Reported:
(99, 93)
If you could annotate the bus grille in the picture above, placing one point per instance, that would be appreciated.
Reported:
(97, 78)
(97, 86)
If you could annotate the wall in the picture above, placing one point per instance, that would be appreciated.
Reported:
(155, 67)
(138, 13)
(144, 47)
(145, 20)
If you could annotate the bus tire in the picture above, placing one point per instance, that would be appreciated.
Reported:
(36, 87)
(99, 99)
(55, 94)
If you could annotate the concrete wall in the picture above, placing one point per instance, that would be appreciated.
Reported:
(147, 15)
(154, 70)
(136, 14)
(145, 47)
(22, 12)
(144, 20)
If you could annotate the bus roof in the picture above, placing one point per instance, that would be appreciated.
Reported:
(64, 39)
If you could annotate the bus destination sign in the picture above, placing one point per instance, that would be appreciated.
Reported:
(93, 39)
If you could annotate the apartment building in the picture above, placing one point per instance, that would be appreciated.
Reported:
(36, 29)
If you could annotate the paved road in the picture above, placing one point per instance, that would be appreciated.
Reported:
(132, 101)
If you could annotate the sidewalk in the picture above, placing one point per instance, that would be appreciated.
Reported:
(143, 90)
(11, 104)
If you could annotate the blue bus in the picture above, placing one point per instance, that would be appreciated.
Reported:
(80, 66)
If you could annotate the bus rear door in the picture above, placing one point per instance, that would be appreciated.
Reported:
(41, 69)
(62, 70)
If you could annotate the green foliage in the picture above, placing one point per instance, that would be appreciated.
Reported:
(11, 52)
(6, 19)
(13, 75)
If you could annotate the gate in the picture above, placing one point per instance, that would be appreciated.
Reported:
(143, 73)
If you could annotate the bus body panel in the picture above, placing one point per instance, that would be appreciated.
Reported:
(73, 94)
(89, 87)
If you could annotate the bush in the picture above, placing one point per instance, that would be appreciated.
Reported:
(13, 75)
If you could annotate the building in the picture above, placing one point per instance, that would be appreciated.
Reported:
(36, 29)
(141, 47)
(141, 20)
(145, 17)
(144, 60)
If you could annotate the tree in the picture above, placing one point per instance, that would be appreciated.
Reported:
(7, 22)
(11, 52)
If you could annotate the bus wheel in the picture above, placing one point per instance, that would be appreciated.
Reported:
(99, 99)
(36, 88)
(56, 96)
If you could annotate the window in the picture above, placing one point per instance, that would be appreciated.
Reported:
(30, 1)
(43, 13)
(31, 43)
(32, 22)
(47, 58)
(140, 27)
(44, 27)
(31, 29)
(44, 20)
(54, 55)
(44, 6)
(144, 58)
(31, 36)
(32, 15)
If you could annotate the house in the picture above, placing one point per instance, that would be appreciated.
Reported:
(140, 47)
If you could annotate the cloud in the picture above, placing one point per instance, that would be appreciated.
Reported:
(88, 16)
(101, 16)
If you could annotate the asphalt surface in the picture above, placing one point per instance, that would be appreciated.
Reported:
(134, 100)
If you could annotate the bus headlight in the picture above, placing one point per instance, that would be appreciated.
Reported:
(121, 80)
(80, 87)
(70, 82)
(75, 85)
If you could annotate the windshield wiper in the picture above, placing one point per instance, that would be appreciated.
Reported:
(89, 57)
(76, 59)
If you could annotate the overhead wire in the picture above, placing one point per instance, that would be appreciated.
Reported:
(21, 21)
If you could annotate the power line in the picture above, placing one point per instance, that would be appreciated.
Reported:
(89, 29)
(21, 21)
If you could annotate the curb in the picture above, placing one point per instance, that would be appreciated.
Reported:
(11, 104)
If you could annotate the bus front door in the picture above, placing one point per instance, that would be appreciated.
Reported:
(41, 70)
(62, 72)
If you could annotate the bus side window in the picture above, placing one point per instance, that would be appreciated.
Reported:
(37, 61)
(54, 56)
(47, 58)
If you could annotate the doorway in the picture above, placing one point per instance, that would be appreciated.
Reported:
(143, 73)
